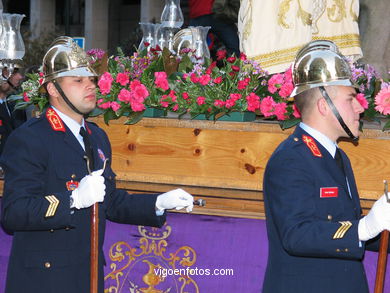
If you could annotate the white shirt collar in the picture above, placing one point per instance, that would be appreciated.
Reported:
(72, 124)
(325, 141)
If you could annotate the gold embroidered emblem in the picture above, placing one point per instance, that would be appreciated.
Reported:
(151, 255)
(54, 202)
(54, 120)
(311, 144)
(345, 225)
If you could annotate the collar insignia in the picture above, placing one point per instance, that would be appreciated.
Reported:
(311, 144)
(88, 129)
(55, 120)
(101, 155)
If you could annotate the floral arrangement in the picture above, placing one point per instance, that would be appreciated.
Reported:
(187, 86)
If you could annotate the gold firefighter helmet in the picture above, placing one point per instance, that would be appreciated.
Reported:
(320, 63)
(65, 58)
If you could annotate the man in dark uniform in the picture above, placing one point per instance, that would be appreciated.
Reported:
(317, 236)
(9, 117)
(48, 191)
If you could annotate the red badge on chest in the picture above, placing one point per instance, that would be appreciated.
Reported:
(72, 185)
(329, 192)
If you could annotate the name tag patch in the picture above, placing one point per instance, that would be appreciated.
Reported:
(326, 192)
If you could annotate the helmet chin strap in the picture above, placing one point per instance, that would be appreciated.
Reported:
(337, 114)
(64, 97)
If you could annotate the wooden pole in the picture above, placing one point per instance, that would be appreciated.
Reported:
(94, 254)
(382, 255)
(382, 262)
(94, 248)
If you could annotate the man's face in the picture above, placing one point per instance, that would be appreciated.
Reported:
(15, 80)
(344, 98)
(80, 91)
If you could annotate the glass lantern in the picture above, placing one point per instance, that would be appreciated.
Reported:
(149, 32)
(199, 41)
(172, 15)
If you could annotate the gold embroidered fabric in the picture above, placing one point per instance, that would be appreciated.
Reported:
(272, 31)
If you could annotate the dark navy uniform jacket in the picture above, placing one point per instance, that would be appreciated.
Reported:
(312, 221)
(43, 161)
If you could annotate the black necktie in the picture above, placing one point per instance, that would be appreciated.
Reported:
(88, 147)
(339, 160)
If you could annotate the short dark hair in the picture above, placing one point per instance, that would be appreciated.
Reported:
(305, 100)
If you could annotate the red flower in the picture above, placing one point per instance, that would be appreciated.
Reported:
(221, 54)
(253, 102)
(218, 80)
(219, 103)
(200, 100)
(231, 59)
(211, 67)
(185, 95)
(235, 68)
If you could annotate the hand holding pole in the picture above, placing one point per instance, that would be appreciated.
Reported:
(382, 255)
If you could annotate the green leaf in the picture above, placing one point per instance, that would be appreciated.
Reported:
(387, 125)
(186, 64)
(285, 124)
(134, 118)
(109, 115)
(96, 112)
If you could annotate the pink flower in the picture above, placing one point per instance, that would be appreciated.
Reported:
(185, 95)
(200, 100)
(105, 82)
(41, 74)
(275, 82)
(105, 105)
(115, 106)
(219, 103)
(230, 103)
(296, 112)
(124, 96)
(382, 101)
(267, 106)
(221, 54)
(40, 81)
(122, 78)
(204, 79)
(136, 106)
(253, 102)
(235, 97)
(242, 84)
(218, 80)
(139, 91)
(280, 111)
(25, 97)
(175, 107)
(164, 104)
(161, 80)
(362, 100)
(194, 78)
(286, 89)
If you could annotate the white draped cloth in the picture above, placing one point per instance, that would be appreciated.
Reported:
(272, 31)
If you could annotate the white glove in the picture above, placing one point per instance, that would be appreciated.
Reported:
(175, 199)
(377, 220)
(90, 190)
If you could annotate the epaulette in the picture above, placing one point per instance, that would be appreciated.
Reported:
(54, 120)
(311, 144)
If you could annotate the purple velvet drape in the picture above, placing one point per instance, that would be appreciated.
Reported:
(195, 245)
